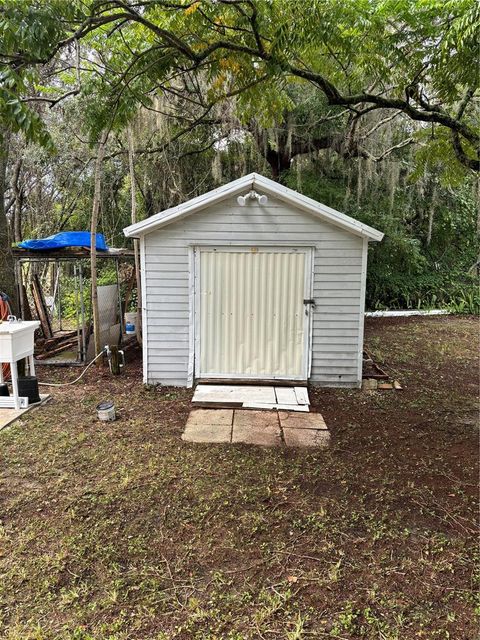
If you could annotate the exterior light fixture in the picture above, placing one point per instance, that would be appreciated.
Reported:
(261, 199)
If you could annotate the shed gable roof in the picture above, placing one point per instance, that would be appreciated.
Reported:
(264, 185)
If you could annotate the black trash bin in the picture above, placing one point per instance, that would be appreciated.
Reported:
(28, 388)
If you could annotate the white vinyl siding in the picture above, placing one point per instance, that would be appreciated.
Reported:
(337, 284)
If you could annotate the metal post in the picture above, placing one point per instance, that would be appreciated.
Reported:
(59, 297)
(77, 312)
(14, 378)
(82, 313)
(18, 275)
(119, 300)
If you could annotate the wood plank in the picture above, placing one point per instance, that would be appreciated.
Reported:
(286, 395)
(214, 405)
(59, 349)
(41, 307)
(58, 337)
(273, 382)
(302, 395)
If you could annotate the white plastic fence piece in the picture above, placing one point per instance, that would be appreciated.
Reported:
(9, 402)
(404, 313)
(302, 395)
(286, 395)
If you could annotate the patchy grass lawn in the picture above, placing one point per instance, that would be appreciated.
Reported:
(121, 530)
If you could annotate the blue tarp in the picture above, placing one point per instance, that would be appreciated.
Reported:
(65, 239)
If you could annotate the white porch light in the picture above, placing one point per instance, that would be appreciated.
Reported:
(261, 199)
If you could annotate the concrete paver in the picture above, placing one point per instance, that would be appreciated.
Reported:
(256, 427)
(211, 416)
(318, 438)
(263, 428)
(209, 425)
(207, 433)
(292, 420)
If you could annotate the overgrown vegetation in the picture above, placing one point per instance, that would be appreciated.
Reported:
(326, 97)
(115, 531)
(429, 256)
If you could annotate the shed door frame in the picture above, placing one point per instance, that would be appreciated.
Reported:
(195, 302)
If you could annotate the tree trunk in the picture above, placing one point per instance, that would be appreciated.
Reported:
(431, 213)
(136, 244)
(7, 263)
(17, 209)
(278, 163)
(97, 194)
(149, 203)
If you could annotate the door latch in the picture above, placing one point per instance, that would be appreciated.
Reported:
(310, 303)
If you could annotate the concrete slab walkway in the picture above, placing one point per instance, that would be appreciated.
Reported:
(263, 428)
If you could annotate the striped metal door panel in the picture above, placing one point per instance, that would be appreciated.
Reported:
(252, 317)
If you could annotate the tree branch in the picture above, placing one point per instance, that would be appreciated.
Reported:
(387, 152)
(377, 126)
(415, 105)
(51, 101)
(460, 154)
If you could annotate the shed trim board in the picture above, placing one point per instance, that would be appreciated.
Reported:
(200, 350)
(192, 331)
(252, 181)
(143, 285)
(362, 306)
(170, 245)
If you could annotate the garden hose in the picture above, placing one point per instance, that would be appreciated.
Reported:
(65, 384)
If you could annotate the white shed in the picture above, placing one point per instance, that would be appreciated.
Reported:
(239, 286)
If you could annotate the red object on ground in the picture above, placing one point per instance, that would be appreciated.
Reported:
(4, 313)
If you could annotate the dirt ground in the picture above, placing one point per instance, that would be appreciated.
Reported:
(121, 531)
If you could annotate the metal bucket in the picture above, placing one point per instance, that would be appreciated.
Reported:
(106, 411)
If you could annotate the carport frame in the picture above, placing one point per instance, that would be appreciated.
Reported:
(77, 255)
